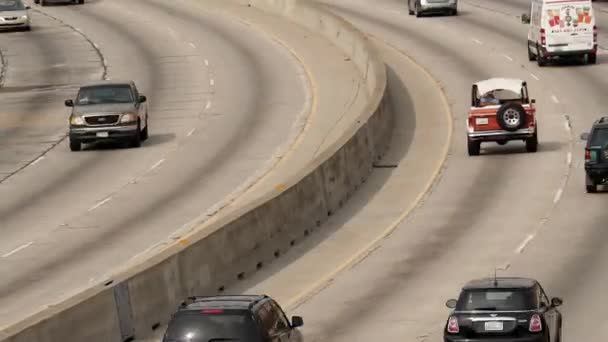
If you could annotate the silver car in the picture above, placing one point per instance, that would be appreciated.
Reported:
(420, 7)
(14, 15)
(46, 2)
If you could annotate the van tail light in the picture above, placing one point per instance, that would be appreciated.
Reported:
(453, 325)
(536, 325)
(543, 37)
(595, 34)
(587, 155)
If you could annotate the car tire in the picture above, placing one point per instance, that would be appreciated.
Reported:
(474, 147)
(532, 143)
(409, 8)
(417, 10)
(37, 2)
(502, 142)
(592, 58)
(455, 12)
(27, 28)
(590, 186)
(511, 116)
(75, 145)
(531, 56)
(42, 2)
(80, 2)
(540, 59)
(144, 133)
(136, 139)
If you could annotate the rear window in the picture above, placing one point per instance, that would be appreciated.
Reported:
(496, 300)
(195, 326)
(599, 137)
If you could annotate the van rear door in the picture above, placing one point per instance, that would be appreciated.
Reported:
(569, 25)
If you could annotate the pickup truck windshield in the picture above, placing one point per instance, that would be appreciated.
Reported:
(11, 5)
(105, 94)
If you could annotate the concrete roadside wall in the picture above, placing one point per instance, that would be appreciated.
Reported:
(242, 239)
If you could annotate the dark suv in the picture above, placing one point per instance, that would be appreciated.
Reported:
(108, 110)
(596, 154)
(255, 318)
(503, 309)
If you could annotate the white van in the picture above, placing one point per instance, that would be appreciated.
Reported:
(561, 28)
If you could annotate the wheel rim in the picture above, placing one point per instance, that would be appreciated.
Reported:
(511, 117)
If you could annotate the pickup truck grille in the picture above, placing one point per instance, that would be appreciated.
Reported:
(101, 120)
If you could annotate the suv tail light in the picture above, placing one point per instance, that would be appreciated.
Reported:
(536, 325)
(543, 37)
(587, 155)
(453, 325)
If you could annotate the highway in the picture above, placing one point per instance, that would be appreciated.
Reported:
(219, 112)
(525, 214)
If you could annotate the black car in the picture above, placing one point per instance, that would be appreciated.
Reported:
(108, 110)
(244, 318)
(596, 154)
(503, 309)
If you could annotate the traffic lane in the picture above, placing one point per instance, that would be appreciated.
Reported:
(238, 137)
(456, 223)
(40, 68)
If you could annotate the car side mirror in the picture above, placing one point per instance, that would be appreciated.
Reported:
(142, 98)
(533, 101)
(28, 7)
(556, 301)
(451, 303)
(525, 18)
(585, 136)
(297, 321)
(69, 103)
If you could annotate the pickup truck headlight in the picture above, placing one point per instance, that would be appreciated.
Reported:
(128, 117)
(76, 120)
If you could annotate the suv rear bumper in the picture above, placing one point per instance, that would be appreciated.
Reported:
(520, 134)
(556, 53)
(597, 172)
(85, 134)
(539, 338)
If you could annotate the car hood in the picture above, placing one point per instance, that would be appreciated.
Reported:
(104, 108)
(12, 13)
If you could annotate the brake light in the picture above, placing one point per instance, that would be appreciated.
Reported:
(453, 325)
(212, 311)
(543, 37)
(536, 325)
(587, 155)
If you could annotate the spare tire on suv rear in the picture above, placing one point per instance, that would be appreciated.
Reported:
(511, 116)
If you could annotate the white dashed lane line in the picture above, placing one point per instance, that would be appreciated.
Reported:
(523, 245)
(554, 98)
(208, 105)
(100, 203)
(191, 132)
(508, 57)
(18, 249)
(206, 62)
(158, 163)
(37, 161)
(569, 158)
(212, 82)
(535, 77)
(477, 41)
(558, 195)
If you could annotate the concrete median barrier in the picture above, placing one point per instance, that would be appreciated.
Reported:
(241, 239)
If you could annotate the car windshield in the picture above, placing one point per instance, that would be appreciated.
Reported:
(496, 300)
(104, 94)
(599, 137)
(232, 325)
(11, 5)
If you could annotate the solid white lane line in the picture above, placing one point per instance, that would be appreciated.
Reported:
(16, 250)
(208, 105)
(477, 41)
(524, 244)
(554, 98)
(192, 45)
(569, 158)
(158, 163)
(535, 77)
(37, 161)
(100, 203)
(508, 57)
(206, 62)
(191, 132)
(558, 195)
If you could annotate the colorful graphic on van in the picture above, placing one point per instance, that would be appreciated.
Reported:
(569, 18)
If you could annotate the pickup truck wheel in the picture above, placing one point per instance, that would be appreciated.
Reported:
(590, 186)
(532, 143)
(511, 116)
(474, 147)
(75, 145)
(501, 142)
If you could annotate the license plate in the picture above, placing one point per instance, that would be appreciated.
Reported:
(493, 326)
(102, 134)
(481, 121)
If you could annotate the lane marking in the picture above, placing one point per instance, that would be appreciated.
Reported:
(508, 57)
(523, 245)
(569, 158)
(16, 250)
(558, 195)
(192, 45)
(206, 62)
(208, 105)
(567, 125)
(100, 203)
(535, 77)
(554, 98)
(158, 163)
(39, 159)
(477, 41)
(191, 132)
(212, 81)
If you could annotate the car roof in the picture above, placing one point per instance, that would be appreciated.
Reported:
(107, 83)
(243, 302)
(501, 283)
(512, 84)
